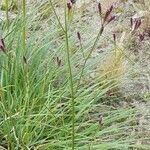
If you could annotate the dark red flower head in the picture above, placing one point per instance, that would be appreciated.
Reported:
(24, 59)
(100, 8)
(2, 45)
(73, 1)
(108, 12)
(141, 37)
(79, 36)
(114, 37)
(69, 5)
(111, 19)
(135, 24)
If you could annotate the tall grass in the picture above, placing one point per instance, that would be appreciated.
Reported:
(41, 108)
(70, 77)
(24, 27)
(7, 15)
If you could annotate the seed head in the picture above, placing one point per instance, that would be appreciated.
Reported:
(69, 5)
(2, 45)
(141, 37)
(24, 59)
(58, 61)
(100, 8)
(73, 1)
(111, 19)
(100, 120)
(79, 36)
(131, 21)
(114, 37)
(108, 12)
(136, 24)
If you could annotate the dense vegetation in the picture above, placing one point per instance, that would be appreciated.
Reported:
(66, 78)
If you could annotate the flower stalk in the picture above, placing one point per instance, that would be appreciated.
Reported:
(70, 75)
(7, 15)
(24, 24)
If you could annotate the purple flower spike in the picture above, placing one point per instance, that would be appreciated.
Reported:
(79, 36)
(2, 45)
(69, 5)
(131, 21)
(111, 19)
(136, 24)
(100, 8)
(24, 59)
(108, 12)
(141, 37)
(73, 1)
(114, 37)
(58, 61)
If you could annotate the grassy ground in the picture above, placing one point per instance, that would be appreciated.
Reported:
(63, 77)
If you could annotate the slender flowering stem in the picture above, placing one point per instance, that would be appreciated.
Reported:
(24, 26)
(107, 14)
(24, 51)
(100, 9)
(7, 15)
(107, 19)
(92, 49)
(2, 45)
(71, 78)
(79, 38)
(52, 6)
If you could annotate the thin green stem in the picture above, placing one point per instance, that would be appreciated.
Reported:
(24, 25)
(7, 15)
(81, 46)
(52, 6)
(71, 79)
(88, 56)
(24, 52)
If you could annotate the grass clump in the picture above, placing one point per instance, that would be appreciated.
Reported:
(45, 103)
